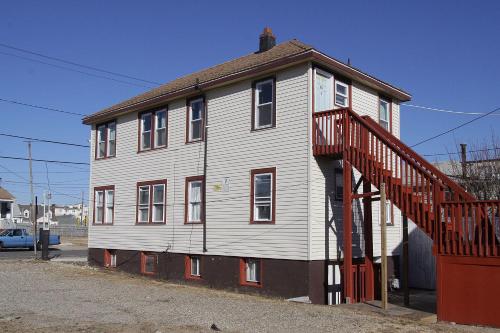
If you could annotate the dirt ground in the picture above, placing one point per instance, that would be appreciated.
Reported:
(56, 297)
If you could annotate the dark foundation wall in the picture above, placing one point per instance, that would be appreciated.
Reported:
(279, 278)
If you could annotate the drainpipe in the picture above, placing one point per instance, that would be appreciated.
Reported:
(205, 178)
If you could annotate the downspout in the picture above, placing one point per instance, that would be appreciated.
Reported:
(205, 177)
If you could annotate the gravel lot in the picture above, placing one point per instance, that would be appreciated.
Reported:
(56, 297)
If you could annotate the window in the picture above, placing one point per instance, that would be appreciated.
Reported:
(323, 90)
(151, 197)
(251, 272)
(149, 263)
(262, 195)
(341, 94)
(194, 200)
(196, 113)
(264, 102)
(384, 114)
(104, 204)
(153, 129)
(160, 129)
(109, 258)
(146, 122)
(389, 214)
(192, 267)
(105, 140)
(339, 185)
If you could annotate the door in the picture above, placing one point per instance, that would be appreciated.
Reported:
(323, 101)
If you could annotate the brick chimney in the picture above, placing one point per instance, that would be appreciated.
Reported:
(266, 40)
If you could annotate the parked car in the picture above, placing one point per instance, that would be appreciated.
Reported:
(19, 238)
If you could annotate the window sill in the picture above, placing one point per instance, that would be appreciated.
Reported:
(194, 277)
(104, 158)
(251, 284)
(150, 223)
(194, 141)
(149, 273)
(200, 222)
(262, 222)
(102, 224)
(151, 149)
(262, 129)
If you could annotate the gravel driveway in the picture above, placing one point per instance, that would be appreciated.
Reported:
(56, 297)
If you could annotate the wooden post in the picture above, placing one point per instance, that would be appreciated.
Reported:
(367, 219)
(383, 253)
(347, 226)
(406, 272)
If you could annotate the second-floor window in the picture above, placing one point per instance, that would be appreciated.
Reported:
(341, 94)
(106, 140)
(384, 114)
(194, 200)
(104, 205)
(264, 113)
(263, 195)
(196, 114)
(151, 201)
(153, 130)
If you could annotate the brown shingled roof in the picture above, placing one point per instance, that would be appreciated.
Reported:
(5, 195)
(286, 52)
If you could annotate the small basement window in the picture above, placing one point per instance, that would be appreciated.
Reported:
(193, 267)
(149, 263)
(251, 272)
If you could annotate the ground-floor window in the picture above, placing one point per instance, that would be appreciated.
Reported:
(109, 258)
(149, 263)
(251, 272)
(193, 267)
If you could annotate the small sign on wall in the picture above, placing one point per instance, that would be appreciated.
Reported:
(223, 186)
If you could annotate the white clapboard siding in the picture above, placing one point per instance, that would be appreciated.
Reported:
(233, 151)
(324, 209)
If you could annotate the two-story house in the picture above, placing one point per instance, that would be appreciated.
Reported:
(212, 177)
(264, 174)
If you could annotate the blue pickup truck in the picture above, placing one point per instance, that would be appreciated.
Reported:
(19, 238)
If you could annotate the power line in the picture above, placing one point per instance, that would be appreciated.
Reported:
(447, 111)
(458, 153)
(38, 160)
(455, 128)
(74, 70)
(44, 140)
(76, 64)
(41, 107)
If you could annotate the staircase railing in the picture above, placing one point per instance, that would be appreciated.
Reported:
(415, 186)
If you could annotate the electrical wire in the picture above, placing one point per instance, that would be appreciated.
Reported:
(446, 111)
(76, 64)
(41, 107)
(40, 160)
(44, 140)
(455, 128)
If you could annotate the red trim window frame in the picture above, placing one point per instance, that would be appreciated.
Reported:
(254, 103)
(243, 272)
(149, 186)
(153, 132)
(107, 127)
(108, 258)
(97, 204)
(187, 200)
(188, 272)
(189, 119)
(145, 256)
(253, 174)
(389, 111)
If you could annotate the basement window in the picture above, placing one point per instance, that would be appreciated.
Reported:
(192, 267)
(251, 272)
(149, 263)
(110, 258)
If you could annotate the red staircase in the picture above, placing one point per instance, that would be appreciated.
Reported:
(459, 224)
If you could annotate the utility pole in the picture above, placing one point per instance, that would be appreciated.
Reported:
(81, 212)
(33, 208)
(383, 254)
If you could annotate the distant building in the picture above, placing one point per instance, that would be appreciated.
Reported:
(7, 201)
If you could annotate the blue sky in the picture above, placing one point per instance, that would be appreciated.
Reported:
(445, 53)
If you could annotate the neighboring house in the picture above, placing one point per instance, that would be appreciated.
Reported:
(272, 210)
(40, 217)
(262, 174)
(7, 202)
(74, 210)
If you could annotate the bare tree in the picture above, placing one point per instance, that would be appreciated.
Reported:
(478, 171)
